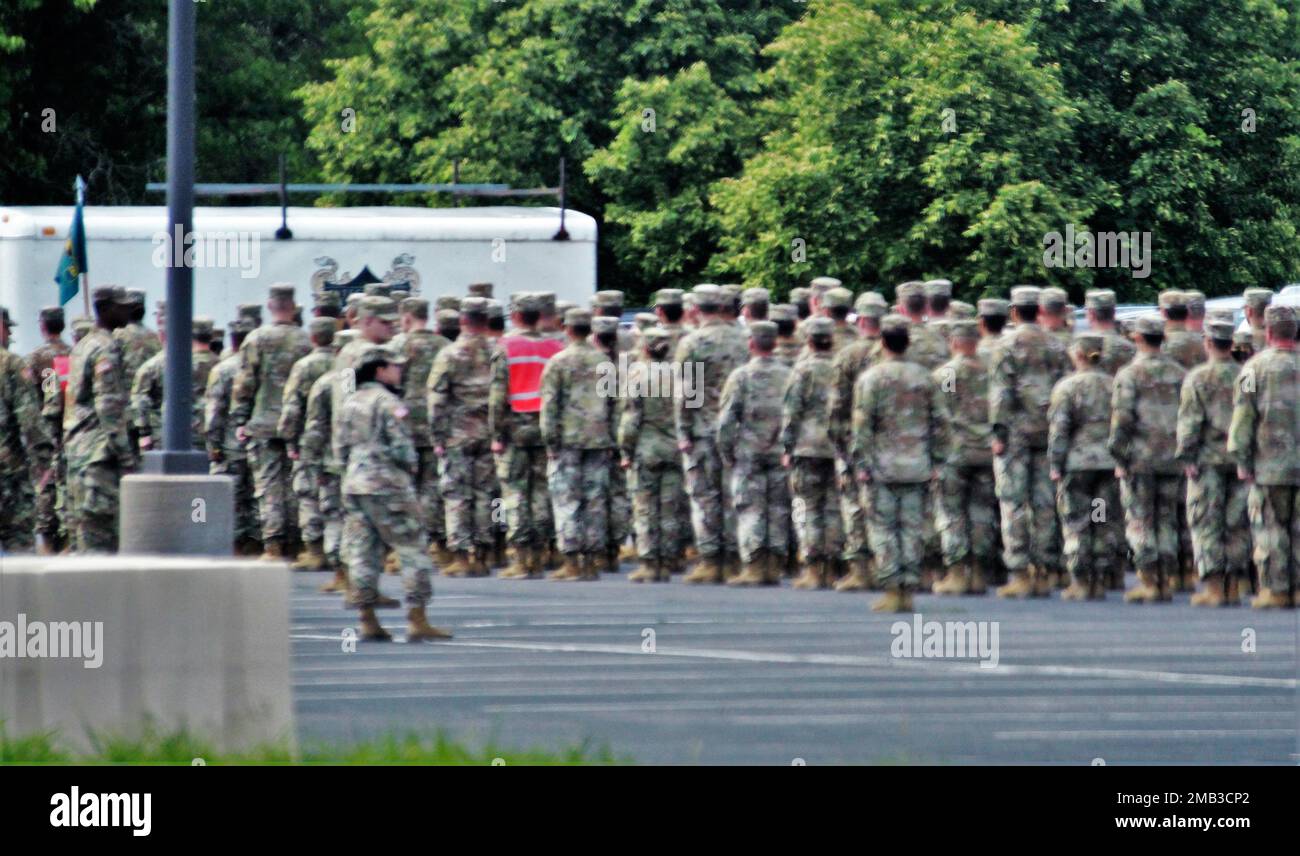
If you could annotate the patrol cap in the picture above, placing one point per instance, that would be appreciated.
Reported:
(50, 313)
(753, 296)
(378, 289)
(281, 291)
(81, 325)
(380, 355)
(668, 297)
(1243, 339)
(545, 301)
(800, 294)
(604, 325)
(1281, 321)
(1025, 295)
(474, 306)
(250, 310)
(1258, 298)
(1088, 344)
(563, 306)
(1099, 298)
(1171, 297)
(241, 326)
(135, 296)
(328, 300)
(959, 310)
(822, 284)
(645, 320)
(321, 328)
(1221, 330)
(110, 293)
(353, 301)
(837, 298)
(447, 301)
(871, 304)
(525, 301)
(416, 307)
(938, 288)
(894, 323)
(993, 307)
(1195, 303)
(447, 318)
(1053, 298)
(963, 329)
(495, 309)
(342, 337)
(911, 288)
(480, 289)
(655, 335)
(201, 327)
(1149, 325)
(610, 299)
(1220, 315)
(218, 335)
(707, 294)
(763, 334)
(819, 326)
(783, 312)
(375, 306)
(577, 317)
(6, 318)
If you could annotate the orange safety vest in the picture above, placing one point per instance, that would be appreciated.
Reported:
(526, 358)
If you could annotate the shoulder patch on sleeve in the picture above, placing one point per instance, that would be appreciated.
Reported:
(401, 411)
(104, 365)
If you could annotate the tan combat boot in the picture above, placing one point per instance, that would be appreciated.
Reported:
(751, 574)
(392, 564)
(517, 568)
(1270, 599)
(273, 551)
(569, 570)
(1020, 585)
(1211, 594)
(371, 629)
(479, 562)
(954, 582)
(811, 576)
(1078, 589)
(1147, 590)
(1044, 581)
(707, 570)
(592, 566)
(692, 554)
(646, 572)
(857, 579)
(418, 627)
(627, 553)
(890, 601)
(442, 557)
(312, 557)
(337, 585)
(1233, 596)
(976, 584)
(459, 565)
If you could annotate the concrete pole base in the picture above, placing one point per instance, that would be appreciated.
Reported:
(189, 515)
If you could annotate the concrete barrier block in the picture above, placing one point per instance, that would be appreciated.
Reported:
(191, 644)
(191, 515)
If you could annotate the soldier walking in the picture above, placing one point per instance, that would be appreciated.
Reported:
(305, 474)
(48, 365)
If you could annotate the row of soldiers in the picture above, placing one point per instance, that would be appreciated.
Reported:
(755, 425)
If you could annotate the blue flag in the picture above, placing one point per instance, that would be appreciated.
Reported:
(73, 262)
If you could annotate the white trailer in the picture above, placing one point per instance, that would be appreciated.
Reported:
(235, 254)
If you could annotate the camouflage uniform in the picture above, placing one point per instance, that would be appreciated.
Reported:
(317, 451)
(94, 438)
(1025, 366)
(521, 465)
(269, 354)
(849, 364)
(457, 391)
(304, 474)
(48, 365)
(226, 454)
(1078, 434)
(382, 511)
(147, 394)
(579, 420)
(1216, 499)
(712, 351)
(137, 344)
(748, 437)
(1143, 437)
(899, 441)
(26, 448)
(420, 348)
(647, 436)
(806, 427)
(966, 511)
(1264, 439)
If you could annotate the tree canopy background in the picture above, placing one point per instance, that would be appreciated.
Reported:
(749, 141)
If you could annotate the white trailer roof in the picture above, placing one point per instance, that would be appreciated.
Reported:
(510, 223)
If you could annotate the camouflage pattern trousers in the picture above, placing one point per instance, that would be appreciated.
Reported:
(94, 491)
(1275, 528)
(17, 512)
(1152, 505)
(49, 502)
(857, 545)
(1219, 521)
(331, 512)
(246, 525)
(659, 510)
(579, 480)
(895, 523)
(374, 522)
(426, 488)
(525, 495)
(966, 516)
(761, 493)
(710, 497)
(268, 461)
(306, 489)
(815, 509)
(1087, 524)
(620, 504)
(467, 484)
(1027, 499)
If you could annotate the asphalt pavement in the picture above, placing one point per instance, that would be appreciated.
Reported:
(673, 674)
